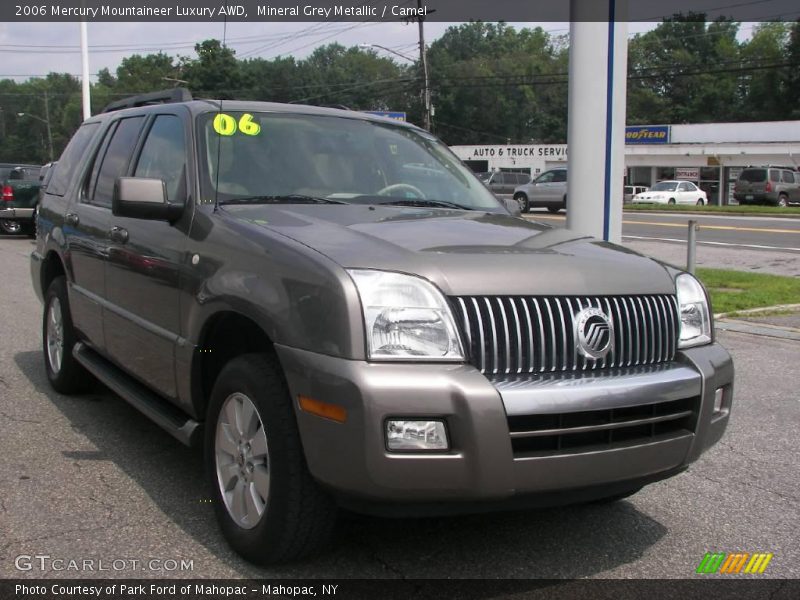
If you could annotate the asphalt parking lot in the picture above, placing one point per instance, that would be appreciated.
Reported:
(88, 477)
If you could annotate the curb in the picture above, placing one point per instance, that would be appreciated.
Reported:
(773, 331)
(755, 311)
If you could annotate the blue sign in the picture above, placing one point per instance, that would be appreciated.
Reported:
(397, 116)
(647, 134)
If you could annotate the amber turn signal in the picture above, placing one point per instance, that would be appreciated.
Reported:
(334, 412)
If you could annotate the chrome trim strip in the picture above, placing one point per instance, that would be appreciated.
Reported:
(531, 357)
(518, 325)
(507, 334)
(542, 355)
(465, 318)
(617, 388)
(494, 334)
(601, 427)
(563, 335)
(482, 336)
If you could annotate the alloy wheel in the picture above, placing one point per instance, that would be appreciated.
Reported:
(242, 460)
(55, 335)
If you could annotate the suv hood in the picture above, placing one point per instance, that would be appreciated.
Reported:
(464, 252)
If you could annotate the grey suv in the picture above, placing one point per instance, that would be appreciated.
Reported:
(779, 186)
(341, 314)
(548, 190)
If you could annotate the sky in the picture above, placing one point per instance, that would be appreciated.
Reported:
(35, 49)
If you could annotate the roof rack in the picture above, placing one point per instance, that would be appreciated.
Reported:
(162, 97)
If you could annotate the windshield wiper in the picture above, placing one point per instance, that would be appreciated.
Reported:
(285, 199)
(425, 202)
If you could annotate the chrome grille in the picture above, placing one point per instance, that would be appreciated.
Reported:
(515, 334)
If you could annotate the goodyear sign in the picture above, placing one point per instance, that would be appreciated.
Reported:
(647, 134)
(388, 114)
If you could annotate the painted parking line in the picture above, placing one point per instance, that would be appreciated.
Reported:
(726, 244)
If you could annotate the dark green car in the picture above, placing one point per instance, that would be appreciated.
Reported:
(20, 197)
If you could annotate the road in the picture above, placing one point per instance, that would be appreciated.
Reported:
(87, 477)
(723, 231)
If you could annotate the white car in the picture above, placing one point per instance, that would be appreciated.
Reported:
(673, 192)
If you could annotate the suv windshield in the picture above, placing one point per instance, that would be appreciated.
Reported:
(269, 157)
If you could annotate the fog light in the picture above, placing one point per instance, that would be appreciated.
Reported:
(718, 400)
(416, 435)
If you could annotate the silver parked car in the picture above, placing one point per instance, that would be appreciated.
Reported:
(502, 183)
(548, 190)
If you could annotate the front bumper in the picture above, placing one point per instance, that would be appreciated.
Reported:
(17, 214)
(483, 465)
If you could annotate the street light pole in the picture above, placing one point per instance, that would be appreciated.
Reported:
(46, 122)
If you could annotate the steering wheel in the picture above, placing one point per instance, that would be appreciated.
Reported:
(396, 187)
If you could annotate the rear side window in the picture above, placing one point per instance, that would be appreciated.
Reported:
(70, 158)
(116, 159)
(559, 176)
(788, 177)
(164, 155)
(774, 175)
(797, 177)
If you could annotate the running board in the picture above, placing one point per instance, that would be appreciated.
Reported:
(185, 429)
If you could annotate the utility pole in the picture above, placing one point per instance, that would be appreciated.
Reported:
(423, 62)
(49, 129)
(423, 59)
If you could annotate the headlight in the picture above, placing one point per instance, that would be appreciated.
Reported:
(406, 318)
(695, 318)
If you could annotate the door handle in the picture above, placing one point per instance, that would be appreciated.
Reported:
(72, 219)
(118, 234)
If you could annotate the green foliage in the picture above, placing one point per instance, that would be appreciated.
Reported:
(742, 290)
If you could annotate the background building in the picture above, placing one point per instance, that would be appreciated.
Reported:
(710, 155)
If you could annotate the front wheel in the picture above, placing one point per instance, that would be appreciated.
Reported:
(269, 507)
(671, 201)
(522, 200)
(700, 202)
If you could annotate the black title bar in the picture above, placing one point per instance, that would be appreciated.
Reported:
(393, 10)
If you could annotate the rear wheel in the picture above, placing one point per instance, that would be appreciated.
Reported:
(10, 227)
(522, 200)
(65, 374)
(671, 201)
(783, 200)
(700, 202)
(269, 507)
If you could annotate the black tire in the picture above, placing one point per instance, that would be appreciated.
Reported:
(67, 376)
(783, 201)
(298, 517)
(700, 202)
(522, 200)
(671, 201)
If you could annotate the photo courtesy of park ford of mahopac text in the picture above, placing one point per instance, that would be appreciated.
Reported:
(431, 299)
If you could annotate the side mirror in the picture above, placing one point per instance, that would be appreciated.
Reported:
(142, 198)
(512, 206)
